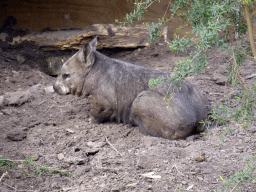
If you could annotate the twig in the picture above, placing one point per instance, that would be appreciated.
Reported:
(41, 140)
(235, 187)
(3, 175)
(149, 5)
(166, 9)
(10, 160)
(113, 146)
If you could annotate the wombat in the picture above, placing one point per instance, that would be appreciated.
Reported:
(118, 91)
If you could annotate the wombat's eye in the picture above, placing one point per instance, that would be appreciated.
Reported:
(65, 76)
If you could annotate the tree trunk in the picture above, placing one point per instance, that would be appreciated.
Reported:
(250, 29)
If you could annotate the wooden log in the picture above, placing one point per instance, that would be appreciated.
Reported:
(109, 35)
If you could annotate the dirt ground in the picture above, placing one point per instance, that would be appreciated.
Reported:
(58, 132)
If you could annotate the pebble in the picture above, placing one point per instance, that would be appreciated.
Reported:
(251, 129)
(3, 36)
(200, 178)
(219, 79)
(115, 189)
(70, 131)
(95, 144)
(60, 156)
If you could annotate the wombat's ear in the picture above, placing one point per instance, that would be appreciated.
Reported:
(88, 52)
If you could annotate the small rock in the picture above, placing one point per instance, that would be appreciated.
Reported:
(190, 187)
(66, 189)
(115, 189)
(95, 144)
(201, 158)
(49, 89)
(6, 112)
(91, 151)
(16, 135)
(35, 157)
(251, 129)
(60, 156)
(190, 138)
(184, 182)
(219, 79)
(1, 101)
(70, 131)
(7, 80)
(172, 178)
(200, 178)
(20, 59)
(3, 36)
(197, 170)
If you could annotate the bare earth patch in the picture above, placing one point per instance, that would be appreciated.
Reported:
(58, 132)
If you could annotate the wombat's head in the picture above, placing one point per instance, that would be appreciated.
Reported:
(74, 70)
